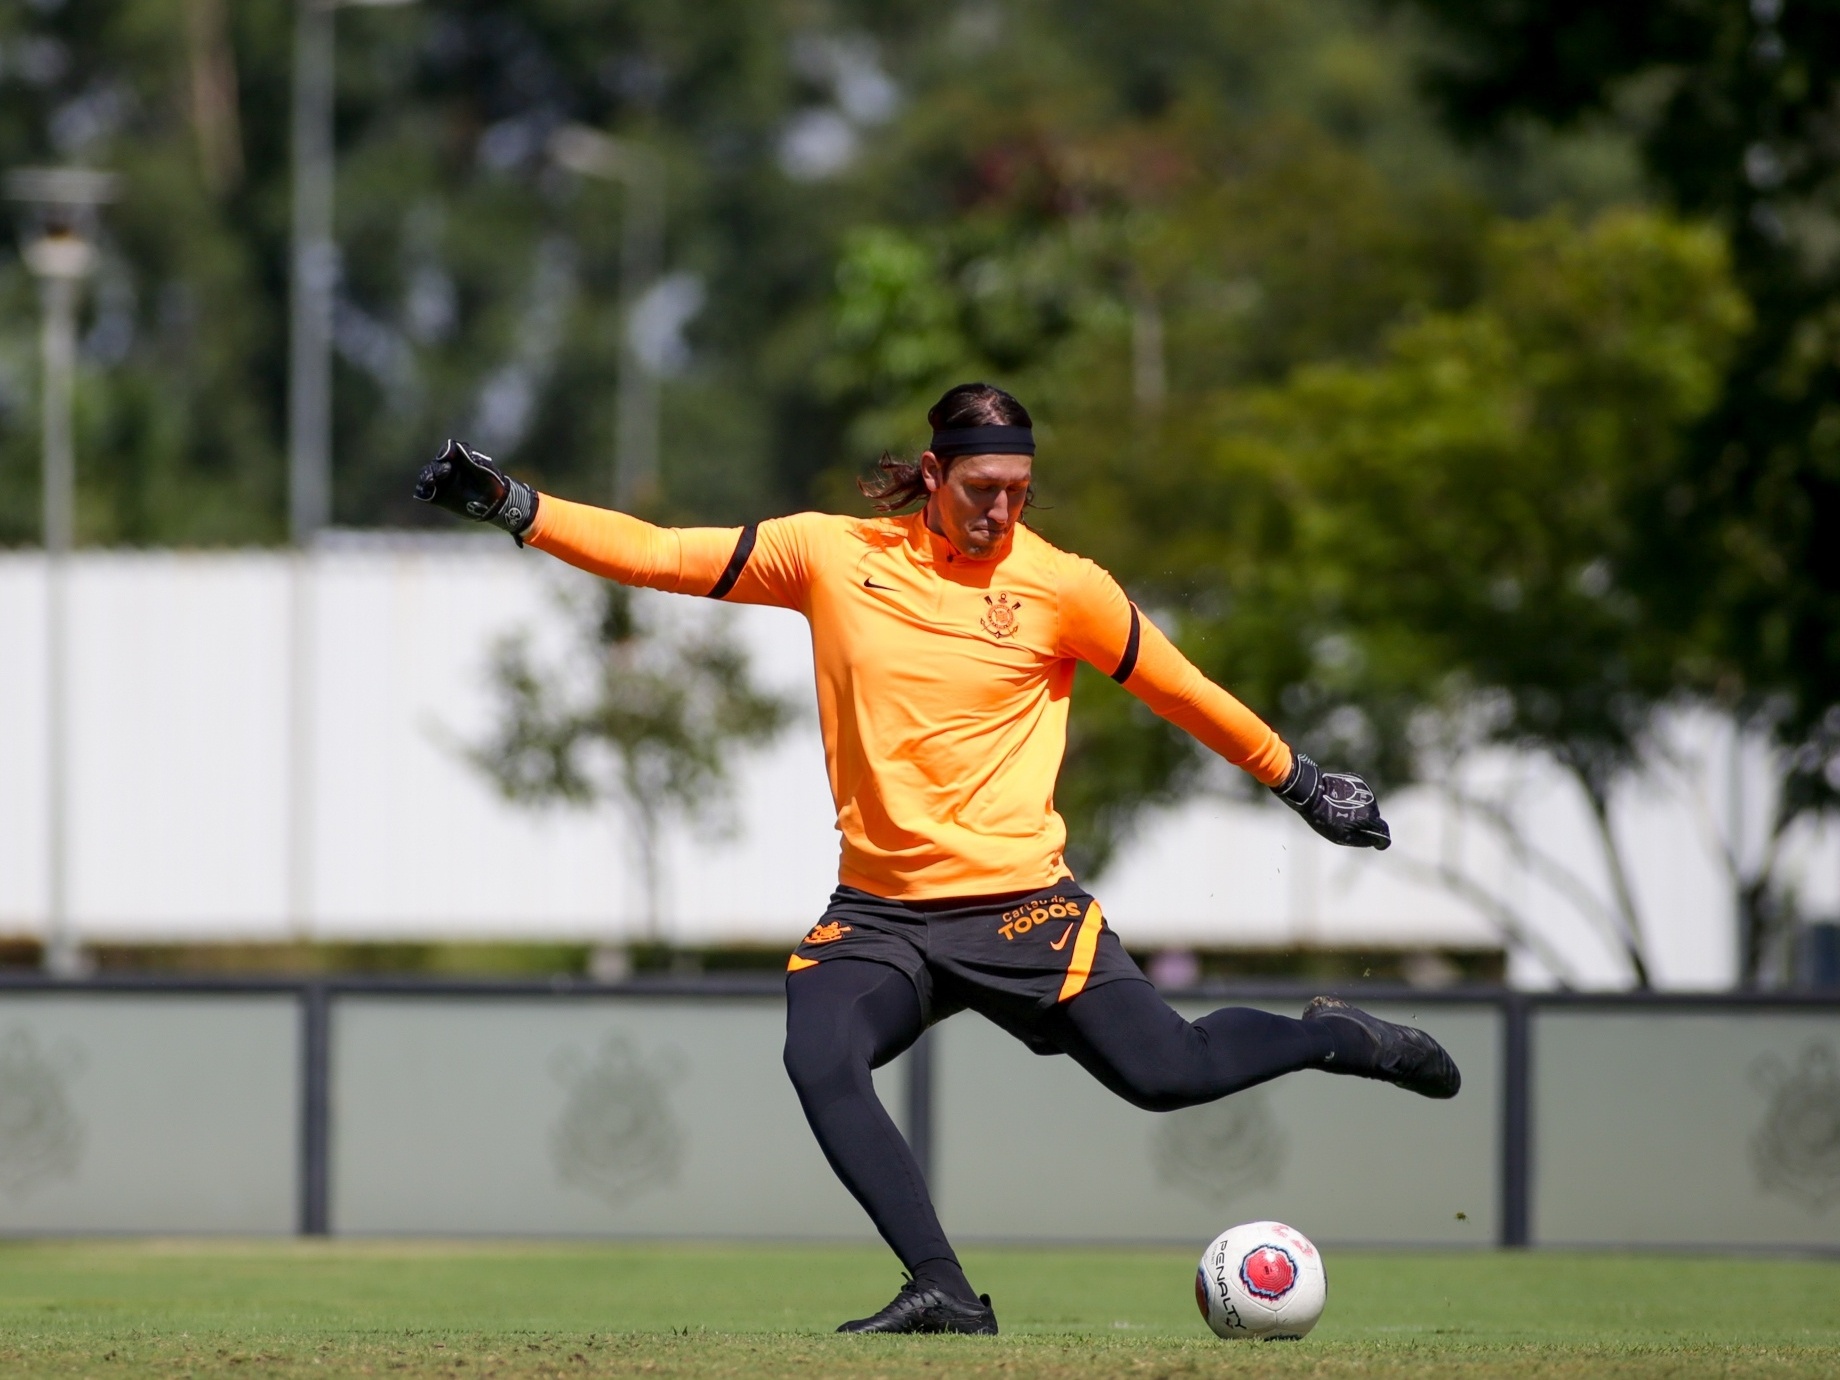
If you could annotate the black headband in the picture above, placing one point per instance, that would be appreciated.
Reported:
(983, 440)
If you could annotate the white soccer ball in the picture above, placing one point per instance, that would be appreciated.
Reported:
(1262, 1281)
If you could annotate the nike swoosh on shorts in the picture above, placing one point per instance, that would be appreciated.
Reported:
(1061, 943)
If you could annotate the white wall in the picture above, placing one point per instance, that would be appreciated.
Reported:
(180, 791)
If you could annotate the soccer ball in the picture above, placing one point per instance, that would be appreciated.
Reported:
(1261, 1280)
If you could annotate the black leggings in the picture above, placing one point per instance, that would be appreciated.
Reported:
(848, 1016)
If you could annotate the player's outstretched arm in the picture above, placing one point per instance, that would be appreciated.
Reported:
(761, 564)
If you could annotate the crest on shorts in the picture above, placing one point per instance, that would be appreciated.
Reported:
(1001, 618)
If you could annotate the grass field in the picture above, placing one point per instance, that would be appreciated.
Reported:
(395, 1309)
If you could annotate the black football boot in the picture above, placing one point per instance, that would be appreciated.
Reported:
(1399, 1054)
(919, 1309)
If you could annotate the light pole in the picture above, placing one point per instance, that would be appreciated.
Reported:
(313, 284)
(314, 275)
(62, 205)
(314, 278)
(638, 170)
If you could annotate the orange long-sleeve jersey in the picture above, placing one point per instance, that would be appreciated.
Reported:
(943, 682)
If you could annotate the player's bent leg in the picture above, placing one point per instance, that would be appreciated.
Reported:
(1133, 1042)
(1369, 1047)
(845, 1017)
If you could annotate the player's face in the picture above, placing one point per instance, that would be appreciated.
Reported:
(976, 503)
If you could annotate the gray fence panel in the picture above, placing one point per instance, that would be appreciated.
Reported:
(145, 1113)
(1686, 1128)
(194, 1106)
(1032, 1148)
(592, 1116)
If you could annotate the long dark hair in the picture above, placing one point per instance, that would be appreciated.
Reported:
(898, 484)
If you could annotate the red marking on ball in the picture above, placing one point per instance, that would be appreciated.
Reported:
(1269, 1272)
(1201, 1301)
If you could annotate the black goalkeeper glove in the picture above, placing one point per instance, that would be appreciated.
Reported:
(1338, 805)
(465, 482)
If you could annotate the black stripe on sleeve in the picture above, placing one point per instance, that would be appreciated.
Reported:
(1128, 663)
(738, 563)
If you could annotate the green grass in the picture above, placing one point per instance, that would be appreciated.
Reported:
(427, 1309)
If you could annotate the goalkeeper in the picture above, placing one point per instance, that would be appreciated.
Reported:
(945, 643)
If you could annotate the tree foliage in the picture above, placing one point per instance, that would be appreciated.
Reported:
(1465, 505)
(1733, 107)
(1464, 509)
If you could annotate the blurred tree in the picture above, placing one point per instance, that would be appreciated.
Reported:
(648, 722)
(1734, 109)
(1462, 511)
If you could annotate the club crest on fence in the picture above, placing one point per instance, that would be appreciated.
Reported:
(1795, 1151)
(40, 1135)
(617, 1136)
(1219, 1151)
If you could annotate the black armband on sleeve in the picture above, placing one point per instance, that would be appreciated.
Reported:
(1128, 662)
(736, 563)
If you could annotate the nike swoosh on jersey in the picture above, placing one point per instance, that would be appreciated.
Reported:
(1061, 943)
(870, 584)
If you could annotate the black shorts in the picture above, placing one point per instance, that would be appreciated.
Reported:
(1012, 958)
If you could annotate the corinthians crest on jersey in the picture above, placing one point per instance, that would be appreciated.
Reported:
(1002, 616)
